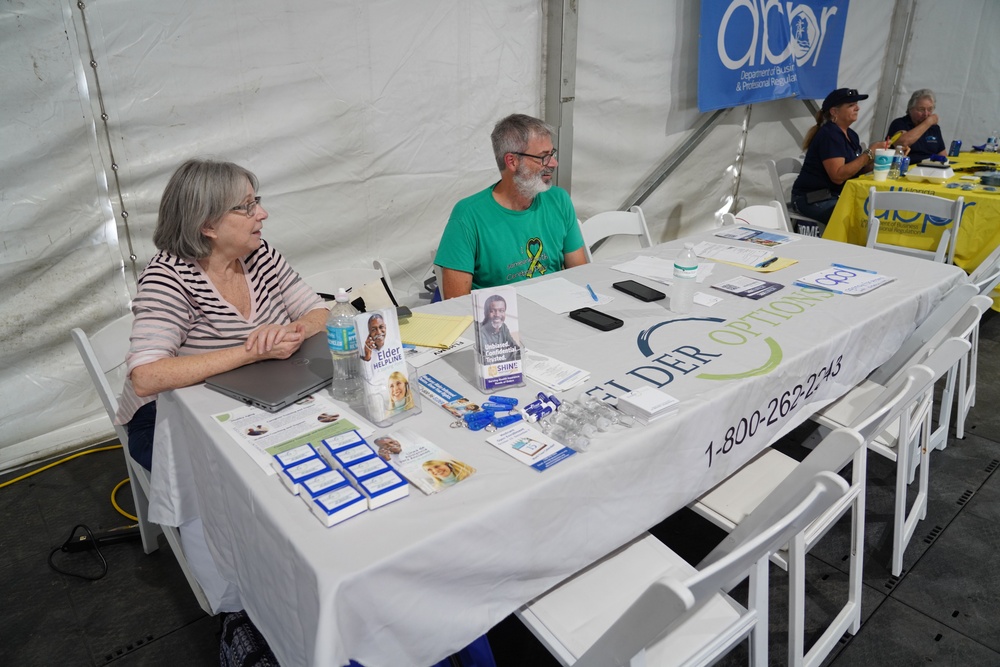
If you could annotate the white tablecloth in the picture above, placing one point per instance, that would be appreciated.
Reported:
(409, 583)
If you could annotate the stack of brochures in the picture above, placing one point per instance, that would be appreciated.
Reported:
(552, 373)
(648, 404)
(844, 279)
(430, 330)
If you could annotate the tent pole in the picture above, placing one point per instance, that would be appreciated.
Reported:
(892, 66)
(560, 81)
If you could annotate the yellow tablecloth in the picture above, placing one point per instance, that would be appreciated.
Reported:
(978, 235)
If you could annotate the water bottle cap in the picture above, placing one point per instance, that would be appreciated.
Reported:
(689, 245)
(342, 295)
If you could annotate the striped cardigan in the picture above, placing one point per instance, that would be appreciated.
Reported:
(178, 311)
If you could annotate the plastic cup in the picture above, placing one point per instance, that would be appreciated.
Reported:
(883, 160)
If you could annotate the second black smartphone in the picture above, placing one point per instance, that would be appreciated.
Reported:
(596, 319)
(638, 290)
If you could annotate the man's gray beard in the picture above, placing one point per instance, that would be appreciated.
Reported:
(529, 186)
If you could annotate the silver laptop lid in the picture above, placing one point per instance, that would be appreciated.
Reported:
(276, 383)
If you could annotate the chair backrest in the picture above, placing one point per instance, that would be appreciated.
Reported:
(383, 268)
(909, 388)
(777, 169)
(768, 216)
(931, 330)
(987, 274)
(831, 455)
(612, 223)
(368, 284)
(667, 601)
(103, 353)
(915, 202)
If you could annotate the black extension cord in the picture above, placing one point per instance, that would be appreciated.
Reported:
(77, 543)
(87, 541)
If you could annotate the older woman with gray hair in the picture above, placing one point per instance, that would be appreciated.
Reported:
(918, 130)
(215, 297)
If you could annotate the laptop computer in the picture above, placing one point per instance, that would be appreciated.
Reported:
(277, 383)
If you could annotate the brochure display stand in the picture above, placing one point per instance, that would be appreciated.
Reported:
(498, 347)
(389, 383)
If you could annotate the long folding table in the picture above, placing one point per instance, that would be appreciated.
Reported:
(409, 583)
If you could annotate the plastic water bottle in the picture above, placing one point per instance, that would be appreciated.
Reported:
(685, 272)
(991, 143)
(897, 161)
(342, 337)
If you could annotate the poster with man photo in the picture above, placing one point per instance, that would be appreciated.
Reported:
(498, 345)
(384, 373)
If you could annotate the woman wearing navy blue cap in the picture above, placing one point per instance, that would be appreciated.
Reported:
(833, 155)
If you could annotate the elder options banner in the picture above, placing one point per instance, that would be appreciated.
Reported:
(760, 50)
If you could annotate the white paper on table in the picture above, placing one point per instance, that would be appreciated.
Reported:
(845, 280)
(552, 373)
(263, 434)
(560, 295)
(703, 299)
(530, 446)
(658, 269)
(421, 356)
(644, 266)
(730, 253)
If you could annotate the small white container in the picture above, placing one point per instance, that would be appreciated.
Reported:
(293, 477)
(291, 457)
(338, 505)
(384, 488)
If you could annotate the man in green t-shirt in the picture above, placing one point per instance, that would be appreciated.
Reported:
(518, 228)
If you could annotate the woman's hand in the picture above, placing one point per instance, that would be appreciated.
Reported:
(275, 341)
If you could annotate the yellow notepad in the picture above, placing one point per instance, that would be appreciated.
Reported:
(426, 330)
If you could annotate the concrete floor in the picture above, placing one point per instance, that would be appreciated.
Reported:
(943, 609)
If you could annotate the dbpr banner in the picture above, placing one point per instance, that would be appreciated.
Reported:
(759, 50)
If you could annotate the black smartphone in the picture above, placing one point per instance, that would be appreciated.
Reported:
(596, 319)
(638, 290)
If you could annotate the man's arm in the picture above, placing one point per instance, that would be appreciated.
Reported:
(456, 283)
(571, 259)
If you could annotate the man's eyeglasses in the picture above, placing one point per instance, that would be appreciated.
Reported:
(924, 109)
(546, 158)
(249, 208)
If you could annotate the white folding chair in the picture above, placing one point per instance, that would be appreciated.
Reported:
(613, 223)
(957, 315)
(961, 383)
(767, 216)
(906, 441)
(729, 503)
(372, 285)
(929, 334)
(786, 166)
(986, 277)
(915, 202)
(102, 354)
(384, 270)
(644, 605)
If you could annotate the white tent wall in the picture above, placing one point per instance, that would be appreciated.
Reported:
(954, 51)
(365, 121)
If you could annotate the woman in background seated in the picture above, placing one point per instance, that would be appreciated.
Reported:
(833, 155)
(215, 297)
(919, 127)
